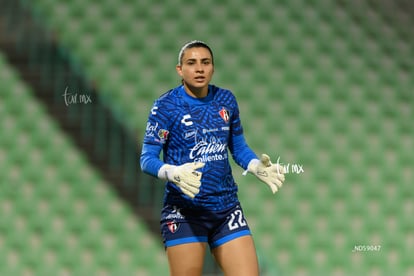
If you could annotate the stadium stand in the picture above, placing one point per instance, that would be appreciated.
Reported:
(322, 84)
(58, 217)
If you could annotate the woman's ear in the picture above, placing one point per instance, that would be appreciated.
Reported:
(179, 71)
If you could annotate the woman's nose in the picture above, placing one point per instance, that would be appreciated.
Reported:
(199, 68)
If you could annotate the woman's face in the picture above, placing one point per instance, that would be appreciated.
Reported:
(196, 69)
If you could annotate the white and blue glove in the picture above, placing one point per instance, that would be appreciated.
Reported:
(271, 174)
(185, 176)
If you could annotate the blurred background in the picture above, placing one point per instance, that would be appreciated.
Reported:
(323, 85)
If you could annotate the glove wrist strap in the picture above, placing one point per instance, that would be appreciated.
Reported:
(251, 167)
(163, 172)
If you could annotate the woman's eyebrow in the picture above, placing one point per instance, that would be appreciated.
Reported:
(202, 59)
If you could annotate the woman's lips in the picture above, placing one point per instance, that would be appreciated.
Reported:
(200, 79)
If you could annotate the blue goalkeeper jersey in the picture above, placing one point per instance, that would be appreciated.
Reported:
(188, 129)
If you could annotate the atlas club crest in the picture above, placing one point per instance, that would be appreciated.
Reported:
(224, 114)
(172, 226)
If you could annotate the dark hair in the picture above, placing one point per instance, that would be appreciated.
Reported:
(194, 44)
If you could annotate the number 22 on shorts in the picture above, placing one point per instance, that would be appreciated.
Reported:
(236, 220)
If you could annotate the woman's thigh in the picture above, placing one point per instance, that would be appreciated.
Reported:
(237, 257)
(186, 259)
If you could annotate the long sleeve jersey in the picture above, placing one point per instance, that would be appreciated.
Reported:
(188, 129)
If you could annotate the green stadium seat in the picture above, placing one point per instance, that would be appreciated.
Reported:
(44, 206)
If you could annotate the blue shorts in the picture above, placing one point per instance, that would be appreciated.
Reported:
(182, 225)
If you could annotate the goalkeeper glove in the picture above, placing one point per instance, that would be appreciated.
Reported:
(185, 177)
(272, 175)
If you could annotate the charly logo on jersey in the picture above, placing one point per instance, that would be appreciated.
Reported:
(224, 114)
(154, 110)
(185, 120)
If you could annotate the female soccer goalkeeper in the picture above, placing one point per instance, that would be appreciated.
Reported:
(196, 125)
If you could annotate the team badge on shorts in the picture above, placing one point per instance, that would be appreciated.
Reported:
(173, 226)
